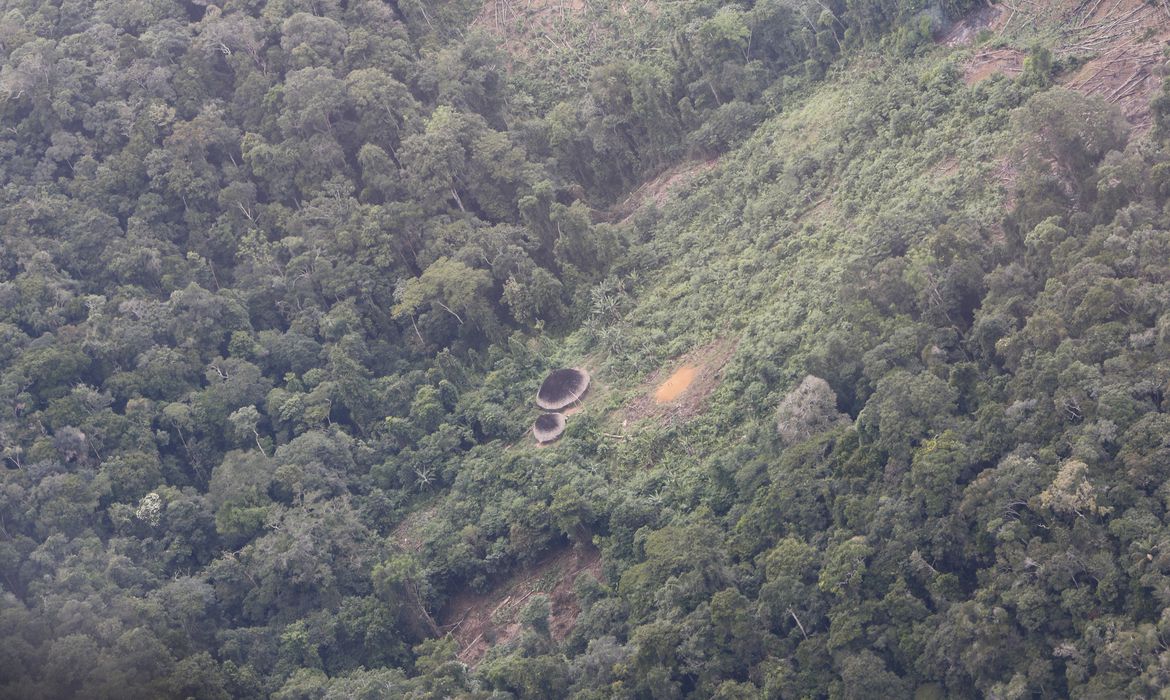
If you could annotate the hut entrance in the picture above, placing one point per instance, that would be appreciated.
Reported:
(674, 387)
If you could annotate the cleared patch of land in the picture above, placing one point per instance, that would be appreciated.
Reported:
(408, 533)
(1117, 44)
(989, 62)
(678, 382)
(568, 34)
(1127, 39)
(526, 26)
(966, 31)
(480, 621)
(679, 390)
(657, 189)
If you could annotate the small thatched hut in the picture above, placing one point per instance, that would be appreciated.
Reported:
(562, 388)
(549, 427)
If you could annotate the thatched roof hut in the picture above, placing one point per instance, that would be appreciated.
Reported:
(562, 388)
(549, 427)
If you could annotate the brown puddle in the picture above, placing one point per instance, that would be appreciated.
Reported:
(672, 388)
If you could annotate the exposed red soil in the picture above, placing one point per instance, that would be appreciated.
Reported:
(676, 385)
(707, 363)
(480, 621)
(988, 62)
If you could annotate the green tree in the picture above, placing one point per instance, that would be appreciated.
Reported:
(446, 287)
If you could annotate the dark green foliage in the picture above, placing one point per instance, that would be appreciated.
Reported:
(279, 281)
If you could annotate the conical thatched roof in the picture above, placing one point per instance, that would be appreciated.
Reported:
(562, 388)
(548, 427)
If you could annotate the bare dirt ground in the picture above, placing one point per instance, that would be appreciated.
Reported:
(1127, 40)
(988, 62)
(1120, 42)
(659, 398)
(965, 31)
(1116, 44)
(479, 621)
(659, 188)
(678, 383)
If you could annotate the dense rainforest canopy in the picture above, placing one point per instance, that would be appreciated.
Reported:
(279, 282)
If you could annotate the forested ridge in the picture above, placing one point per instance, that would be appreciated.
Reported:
(279, 282)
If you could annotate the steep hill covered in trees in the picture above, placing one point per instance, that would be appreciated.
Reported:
(280, 281)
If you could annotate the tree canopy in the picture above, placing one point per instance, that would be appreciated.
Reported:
(279, 282)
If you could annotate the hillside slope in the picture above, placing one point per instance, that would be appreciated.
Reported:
(875, 310)
(972, 269)
(979, 292)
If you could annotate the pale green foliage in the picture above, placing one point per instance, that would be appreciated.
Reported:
(808, 409)
(1071, 492)
(446, 284)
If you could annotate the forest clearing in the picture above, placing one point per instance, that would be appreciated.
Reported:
(479, 622)
(1119, 46)
(679, 389)
(676, 384)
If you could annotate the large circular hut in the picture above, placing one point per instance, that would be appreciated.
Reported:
(562, 388)
(548, 427)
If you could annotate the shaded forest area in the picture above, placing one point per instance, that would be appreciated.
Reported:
(277, 278)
